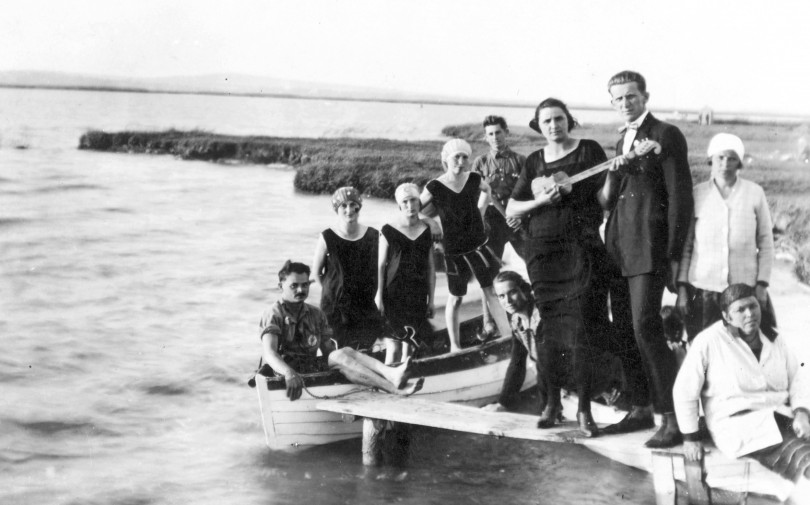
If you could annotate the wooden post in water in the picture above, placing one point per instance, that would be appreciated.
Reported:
(373, 430)
(393, 447)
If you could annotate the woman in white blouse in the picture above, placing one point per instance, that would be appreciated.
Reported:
(730, 240)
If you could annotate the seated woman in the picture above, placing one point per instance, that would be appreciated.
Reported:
(345, 265)
(407, 275)
(293, 331)
(755, 400)
(742, 253)
(460, 198)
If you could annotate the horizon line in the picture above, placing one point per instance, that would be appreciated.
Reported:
(415, 100)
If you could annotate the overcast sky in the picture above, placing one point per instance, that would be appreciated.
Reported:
(733, 55)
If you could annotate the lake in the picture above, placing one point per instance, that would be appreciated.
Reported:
(130, 292)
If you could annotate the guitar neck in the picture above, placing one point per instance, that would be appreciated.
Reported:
(598, 168)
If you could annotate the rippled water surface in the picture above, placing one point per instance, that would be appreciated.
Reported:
(130, 290)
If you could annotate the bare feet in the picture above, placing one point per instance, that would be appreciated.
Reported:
(412, 387)
(402, 373)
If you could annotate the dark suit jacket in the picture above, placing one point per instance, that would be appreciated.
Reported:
(649, 220)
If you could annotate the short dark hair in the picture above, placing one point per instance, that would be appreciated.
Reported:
(735, 292)
(521, 283)
(291, 267)
(555, 102)
(495, 120)
(627, 76)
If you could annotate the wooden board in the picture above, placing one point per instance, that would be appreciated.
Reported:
(451, 416)
(627, 448)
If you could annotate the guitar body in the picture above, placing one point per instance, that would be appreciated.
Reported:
(543, 184)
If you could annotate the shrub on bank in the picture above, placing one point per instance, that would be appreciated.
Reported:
(377, 166)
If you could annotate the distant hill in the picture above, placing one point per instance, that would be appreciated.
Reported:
(233, 84)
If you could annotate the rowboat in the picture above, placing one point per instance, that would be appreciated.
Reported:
(473, 376)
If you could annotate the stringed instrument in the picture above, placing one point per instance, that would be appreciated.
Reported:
(541, 184)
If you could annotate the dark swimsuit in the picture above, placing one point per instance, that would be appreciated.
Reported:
(349, 285)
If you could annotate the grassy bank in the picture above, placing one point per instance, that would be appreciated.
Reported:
(377, 166)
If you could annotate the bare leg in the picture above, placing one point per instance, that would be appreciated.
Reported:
(489, 324)
(451, 319)
(498, 314)
(365, 370)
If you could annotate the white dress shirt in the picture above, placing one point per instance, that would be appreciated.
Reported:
(730, 240)
(630, 133)
(739, 393)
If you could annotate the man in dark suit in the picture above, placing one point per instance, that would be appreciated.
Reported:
(650, 204)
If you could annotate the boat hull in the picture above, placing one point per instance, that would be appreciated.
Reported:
(474, 376)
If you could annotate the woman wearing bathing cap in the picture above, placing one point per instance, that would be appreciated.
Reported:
(730, 240)
(460, 198)
(406, 275)
(345, 265)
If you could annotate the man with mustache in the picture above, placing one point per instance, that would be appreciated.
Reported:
(293, 331)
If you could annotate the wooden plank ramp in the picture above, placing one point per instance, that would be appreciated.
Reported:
(450, 416)
(665, 465)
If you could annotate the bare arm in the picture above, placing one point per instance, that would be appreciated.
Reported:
(319, 260)
(519, 208)
(270, 355)
(431, 273)
(426, 199)
(484, 198)
(381, 261)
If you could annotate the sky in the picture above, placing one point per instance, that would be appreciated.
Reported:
(735, 56)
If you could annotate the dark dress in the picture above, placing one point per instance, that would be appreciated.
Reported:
(567, 263)
(405, 291)
(349, 285)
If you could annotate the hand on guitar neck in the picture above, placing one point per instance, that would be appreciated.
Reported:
(552, 187)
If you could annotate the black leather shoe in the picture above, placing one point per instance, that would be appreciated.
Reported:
(664, 438)
(629, 425)
(549, 416)
(587, 426)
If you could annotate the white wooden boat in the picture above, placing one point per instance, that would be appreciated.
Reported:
(473, 376)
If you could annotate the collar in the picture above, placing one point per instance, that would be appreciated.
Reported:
(290, 311)
(530, 321)
(503, 153)
(635, 125)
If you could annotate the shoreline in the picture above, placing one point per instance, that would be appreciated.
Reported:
(377, 166)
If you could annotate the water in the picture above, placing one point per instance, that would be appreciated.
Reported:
(130, 290)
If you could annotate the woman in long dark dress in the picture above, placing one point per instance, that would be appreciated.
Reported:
(407, 274)
(345, 265)
(565, 258)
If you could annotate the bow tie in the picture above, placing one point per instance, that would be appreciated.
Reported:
(501, 154)
(628, 126)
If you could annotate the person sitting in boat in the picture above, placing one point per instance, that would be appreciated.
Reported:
(460, 199)
(406, 275)
(293, 332)
(345, 265)
(754, 396)
(515, 295)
